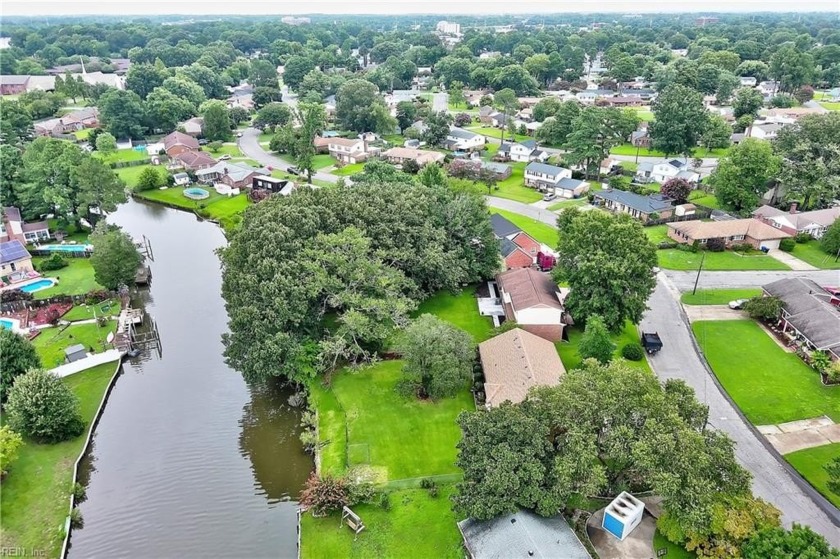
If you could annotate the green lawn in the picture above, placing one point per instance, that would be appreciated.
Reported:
(123, 155)
(657, 233)
(417, 525)
(74, 279)
(630, 149)
(347, 170)
(71, 233)
(811, 253)
(540, 231)
(513, 187)
(399, 438)
(769, 385)
(704, 199)
(810, 464)
(82, 134)
(491, 132)
(718, 296)
(674, 259)
(460, 310)
(36, 492)
(567, 203)
(130, 175)
(51, 342)
(644, 113)
(674, 550)
(229, 148)
(322, 161)
(570, 357)
(266, 137)
(110, 307)
(224, 209)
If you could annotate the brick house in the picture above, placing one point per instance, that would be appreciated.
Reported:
(178, 142)
(815, 222)
(194, 160)
(13, 85)
(12, 226)
(398, 156)
(534, 302)
(752, 231)
(235, 175)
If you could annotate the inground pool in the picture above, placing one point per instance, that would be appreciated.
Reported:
(66, 248)
(7, 324)
(195, 193)
(38, 285)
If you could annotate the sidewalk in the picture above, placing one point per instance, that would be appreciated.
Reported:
(790, 260)
(88, 362)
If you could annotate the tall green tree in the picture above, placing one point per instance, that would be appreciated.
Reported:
(791, 67)
(312, 119)
(185, 88)
(99, 189)
(50, 179)
(742, 176)
(800, 542)
(717, 134)
(15, 123)
(680, 121)
(595, 342)
(810, 152)
(262, 73)
(217, 125)
(165, 109)
(594, 132)
(360, 108)
(115, 258)
(105, 144)
(608, 262)
(747, 102)
(17, 355)
(122, 114)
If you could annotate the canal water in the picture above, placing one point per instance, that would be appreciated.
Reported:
(187, 460)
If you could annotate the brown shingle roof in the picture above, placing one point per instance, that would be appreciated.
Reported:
(529, 288)
(321, 142)
(195, 159)
(421, 156)
(514, 362)
(719, 229)
(179, 138)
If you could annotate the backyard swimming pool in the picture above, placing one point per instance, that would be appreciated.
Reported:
(6, 324)
(66, 248)
(38, 285)
(196, 193)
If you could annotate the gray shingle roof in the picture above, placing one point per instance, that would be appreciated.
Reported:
(506, 246)
(544, 168)
(644, 204)
(569, 184)
(810, 311)
(502, 227)
(462, 134)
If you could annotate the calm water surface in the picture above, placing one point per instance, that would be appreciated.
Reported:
(188, 460)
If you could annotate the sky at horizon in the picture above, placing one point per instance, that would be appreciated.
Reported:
(194, 8)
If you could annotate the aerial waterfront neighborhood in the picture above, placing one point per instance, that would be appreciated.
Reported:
(411, 286)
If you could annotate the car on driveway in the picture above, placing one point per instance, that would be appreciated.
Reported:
(737, 304)
(549, 196)
(293, 170)
(225, 157)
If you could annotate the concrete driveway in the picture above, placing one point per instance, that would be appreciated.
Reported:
(713, 312)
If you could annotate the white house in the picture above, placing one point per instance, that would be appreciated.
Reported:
(768, 87)
(543, 176)
(521, 151)
(748, 81)
(764, 131)
(181, 179)
(464, 140)
(348, 150)
(571, 188)
(661, 172)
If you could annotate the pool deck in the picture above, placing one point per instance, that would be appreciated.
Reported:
(30, 281)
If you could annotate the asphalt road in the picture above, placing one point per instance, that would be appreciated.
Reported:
(249, 144)
(680, 359)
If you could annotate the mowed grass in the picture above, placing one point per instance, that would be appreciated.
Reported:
(122, 156)
(110, 307)
(416, 525)
(229, 148)
(811, 253)
(717, 296)
(51, 342)
(491, 132)
(571, 359)
(131, 175)
(461, 310)
(513, 187)
(36, 492)
(674, 259)
(347, 170)
(810, 463)
(226, 210)
(77, 278)
(674, 551)
(769, 384)
(567, 203)
(540, 231)
(400, 438)
(630, 149)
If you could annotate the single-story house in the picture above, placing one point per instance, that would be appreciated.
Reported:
(543, 176)
(514, 256)
(534, 302)
(235, 175)
(640, 138)
(638, 206)
(661, 172)
(178, 142)
(349, 150)
(621, 101)
(766, 131)
(526, 151)
(571, 188)
(498, 170)
(768, 87)
(181, 179)
(88, 117)
(516, 361)
(607, 165)
(194, 126)
(399, 155)
(13, 226)
(193, 160)
(459, 139)
(13, 84)
(734, 231)
(809, 312)
(589, 96)
(485, 114)
(14, 258)
(75, 353)
(521, 534)
(273, 184)
(748, 81)
(56, 127)
(503, 228)
(814, 222)
(519, 249)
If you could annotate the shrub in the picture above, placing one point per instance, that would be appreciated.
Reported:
(324, 494)
(763, 308)
(215, 146)
(803, 238)
(42, 407)
(54, 262)
(385, 501)
(820, 361)
(17, 355)
(10, 442)
(595, 342)
(633, 352)
(52, 314)
(462, 119)
(76, 520)
(410, 166)
(97, 296)
(830, 241)
(79, 492)
(677, 188)
(429, 485)
(741, 247)
(716, 245)
(782, 101)
(16, 295)
(667, 244)
(360, 485)
(787, 244)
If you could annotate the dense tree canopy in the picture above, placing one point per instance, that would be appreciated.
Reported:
(810, 155)
(17, 355)
(115, 258)
(743, 175)
(680, 121)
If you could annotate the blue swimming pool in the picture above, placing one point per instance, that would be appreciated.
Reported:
(7, 324)
(66, 248)
(196, 193)
(38, 285)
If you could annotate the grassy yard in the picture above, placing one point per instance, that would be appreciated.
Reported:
(265, 137)
(224, 209)
(540, 231)
(229, 148)
(718, 296)
(130, 175)
(811, 253)
(417, 525)
(809, 463)
(52, 342)
(644, 113)
(322, 161)
(461, 310)
(704, 199)
(513, 187)
(769, 384)
(123, 155)
(571, 358)
(74, 279)
(82, 134)
(673, 550)
(491, 132)
(630, 149)
(110, 307)
(347, 170)
(567, 203)
(399, 438)
(674, 259)
(36, 491)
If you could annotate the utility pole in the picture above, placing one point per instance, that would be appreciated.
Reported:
(697, 279)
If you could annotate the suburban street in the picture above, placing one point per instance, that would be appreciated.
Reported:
(679, 359)
(249, 144)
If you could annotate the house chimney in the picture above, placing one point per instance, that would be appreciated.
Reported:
(793, 207)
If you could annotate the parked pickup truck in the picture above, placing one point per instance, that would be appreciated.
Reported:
(651, 342)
